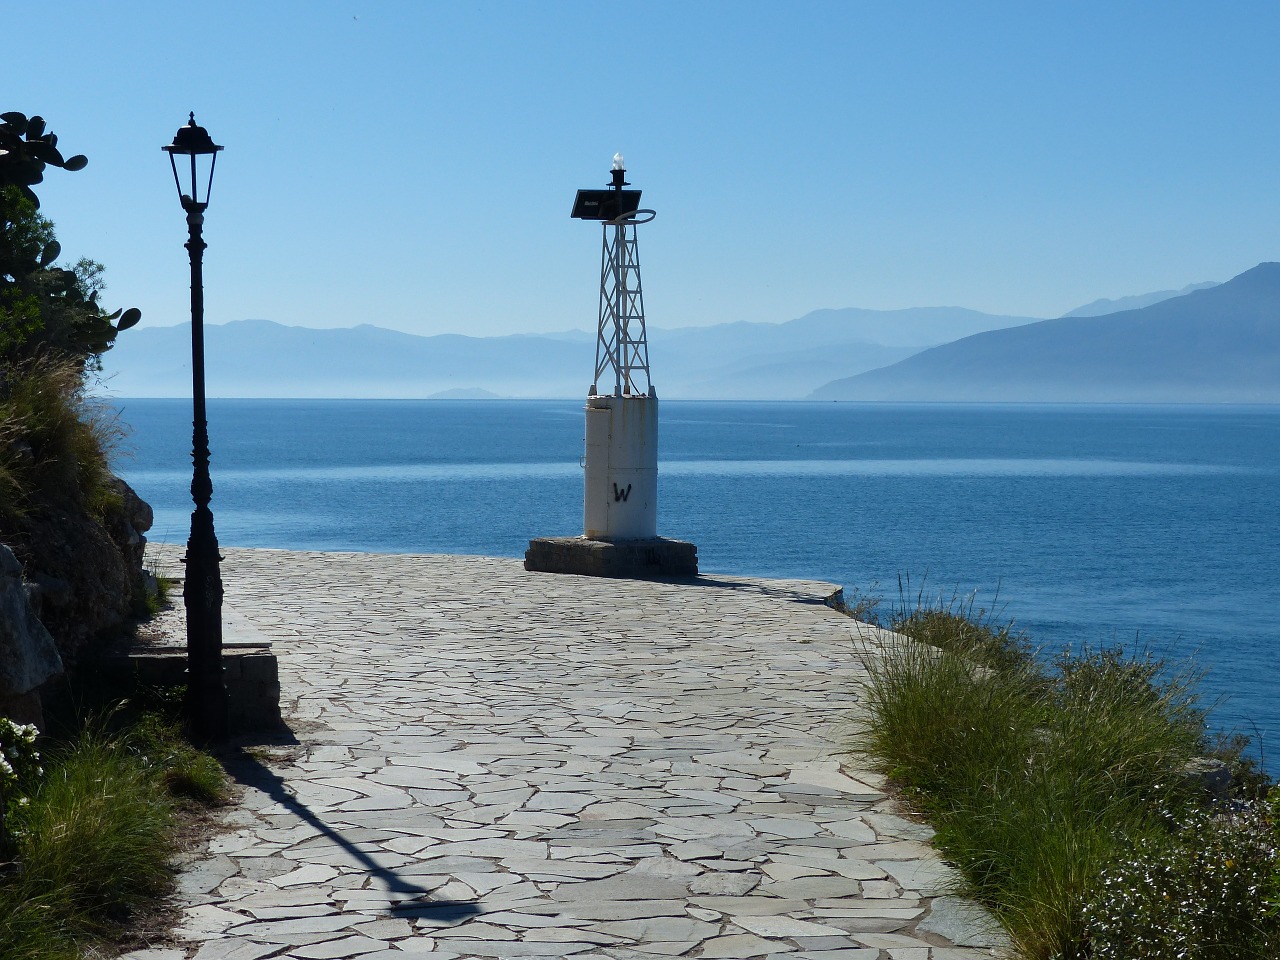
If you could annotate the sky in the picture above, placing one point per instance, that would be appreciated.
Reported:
(412, 164)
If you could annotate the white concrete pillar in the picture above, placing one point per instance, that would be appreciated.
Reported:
(621, 468)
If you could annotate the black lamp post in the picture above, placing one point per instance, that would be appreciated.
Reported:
(202, 592)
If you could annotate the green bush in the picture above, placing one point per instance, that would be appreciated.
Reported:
(1133, 721)
(181, 769)
(942, 721)
(52, 336)
(12, 490)
(45, 309)
(20, 774)
(955, 622)
(1197, 892)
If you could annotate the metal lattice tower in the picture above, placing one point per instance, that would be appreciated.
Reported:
(621, 343)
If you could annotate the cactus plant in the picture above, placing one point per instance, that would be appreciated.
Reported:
(25, 150)
(43, 306)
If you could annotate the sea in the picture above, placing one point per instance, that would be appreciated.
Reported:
(1155, 528)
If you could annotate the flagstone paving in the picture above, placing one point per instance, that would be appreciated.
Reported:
(493, 763)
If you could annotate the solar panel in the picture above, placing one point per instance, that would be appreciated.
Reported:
(605, 204)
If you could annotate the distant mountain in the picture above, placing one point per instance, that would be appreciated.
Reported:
(259, 358)
(785, 361)
(916, 327)
(1101, 307)
(463, 393)
(1220, 344)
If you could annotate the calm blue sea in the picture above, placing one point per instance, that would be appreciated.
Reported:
(1087, 524)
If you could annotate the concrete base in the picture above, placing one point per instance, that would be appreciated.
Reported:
(655, 558)
(249, 670)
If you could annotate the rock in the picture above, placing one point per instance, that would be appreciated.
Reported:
(126, 526)
(84, 572)
(724, 884)
(136, 510)
(48, 592)
(28, 655)
(1211, 776)
(71, 546)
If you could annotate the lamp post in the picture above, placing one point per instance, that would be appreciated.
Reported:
(202, 591)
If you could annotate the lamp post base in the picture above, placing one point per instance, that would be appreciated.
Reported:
(207, 704)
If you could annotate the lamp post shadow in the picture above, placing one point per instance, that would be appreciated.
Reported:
(249, 771)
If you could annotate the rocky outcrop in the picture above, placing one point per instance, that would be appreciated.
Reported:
(28, 654)
(84, 572)
(127, 525)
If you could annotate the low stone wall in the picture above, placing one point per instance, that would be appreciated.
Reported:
(250, 670)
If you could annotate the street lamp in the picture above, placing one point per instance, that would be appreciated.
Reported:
(202, 591)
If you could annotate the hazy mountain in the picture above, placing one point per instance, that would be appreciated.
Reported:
(259, 358)
(917, 327)
(1100, 307)
(465, 393)
(1220, 344)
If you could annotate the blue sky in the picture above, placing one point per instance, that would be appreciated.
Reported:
(412, 164)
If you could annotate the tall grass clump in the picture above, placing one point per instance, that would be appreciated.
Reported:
(55, 443)
(94, 841)
(1040, 778)
(183, 771)
(11, 485)
(97, 835)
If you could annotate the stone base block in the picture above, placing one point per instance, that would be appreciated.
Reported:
(656, 558)
(249, 670)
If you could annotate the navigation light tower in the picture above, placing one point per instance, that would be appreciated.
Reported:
(620, 466)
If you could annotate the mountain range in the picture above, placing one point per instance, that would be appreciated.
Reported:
(1219, 344)
(765, 361)
(1099, 307)
(1206, 343)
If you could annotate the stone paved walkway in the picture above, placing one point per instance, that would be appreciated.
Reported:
(494, 763)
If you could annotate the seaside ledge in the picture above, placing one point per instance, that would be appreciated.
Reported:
(491, 762)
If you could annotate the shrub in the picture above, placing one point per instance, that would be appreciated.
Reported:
(957, 624)
(1197, 892)
(11, 486)
(20, 774)
(44, 308)
(1133, 721)
(942, 721)
(182, 770)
